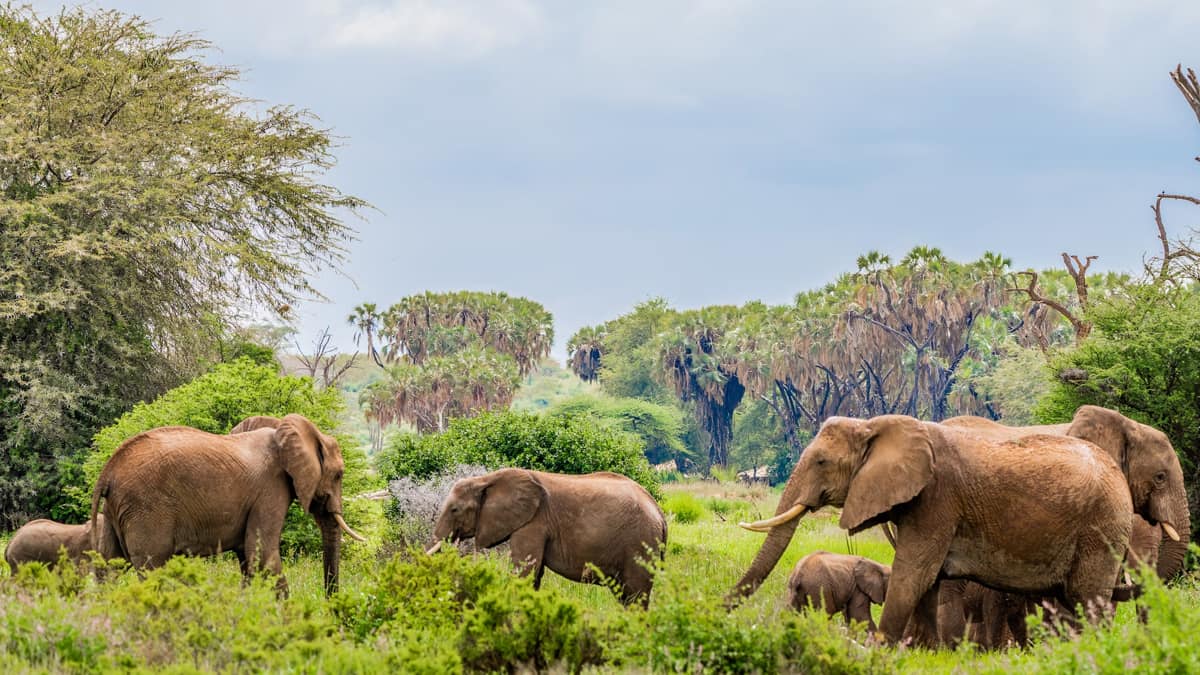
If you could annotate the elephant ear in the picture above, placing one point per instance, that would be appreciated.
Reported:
(298, 443)
(255, 422)
(1108, 429)
(895, 464)
(872, 579)
(509, 500)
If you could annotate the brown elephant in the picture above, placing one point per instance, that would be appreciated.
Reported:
(839, 583)
(1146, 457)
(41, 540)
(1040, 515)
(566, 523)
(178, 490)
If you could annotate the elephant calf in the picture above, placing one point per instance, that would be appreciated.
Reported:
(40, 541)
(839, 583)
(566, 523)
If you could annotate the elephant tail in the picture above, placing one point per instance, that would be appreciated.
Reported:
(101, 535)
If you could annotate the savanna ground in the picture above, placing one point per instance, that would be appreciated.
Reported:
(404, 611)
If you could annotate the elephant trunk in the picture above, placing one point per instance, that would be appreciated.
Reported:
(331, 540)
(1171, 553)
(772, 549)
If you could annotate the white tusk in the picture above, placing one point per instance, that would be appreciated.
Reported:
(435, 548)
(342, 524)
(765, 525)
(1169, 530)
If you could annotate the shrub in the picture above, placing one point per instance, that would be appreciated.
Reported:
(684, 506)
(558, 443)
(415, 502)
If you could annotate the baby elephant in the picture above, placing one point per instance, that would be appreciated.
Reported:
(839, 583)
(566, 523)
(40, 540)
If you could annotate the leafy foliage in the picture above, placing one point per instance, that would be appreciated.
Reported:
(141, 202)
(556, 443)
(660, 427)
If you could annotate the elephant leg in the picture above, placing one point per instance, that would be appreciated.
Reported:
(1091, 583)
(636, 582)
(859, 609)
(915, 570)
(951, 617)
(261, 549)
(527, 547)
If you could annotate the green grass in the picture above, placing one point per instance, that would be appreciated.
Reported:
(416, 613)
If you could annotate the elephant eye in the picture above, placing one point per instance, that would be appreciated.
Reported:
(1160, 477)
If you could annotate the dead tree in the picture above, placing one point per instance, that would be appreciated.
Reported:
(324, 360)
(1078, 270)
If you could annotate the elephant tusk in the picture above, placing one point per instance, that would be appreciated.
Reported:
(1169, 530)
(346, 528)
(435, 548)
(765, 525)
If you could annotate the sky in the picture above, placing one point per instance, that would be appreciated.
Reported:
(592, 155)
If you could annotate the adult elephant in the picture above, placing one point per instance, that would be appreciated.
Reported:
(1040, 515)
(178, 490)
(1146, 457)
(566, 523)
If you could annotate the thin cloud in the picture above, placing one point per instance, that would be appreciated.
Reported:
(461, 29)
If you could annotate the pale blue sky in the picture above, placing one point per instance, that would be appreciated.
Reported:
(592, 155)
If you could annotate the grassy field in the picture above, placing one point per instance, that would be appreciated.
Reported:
(415, 613)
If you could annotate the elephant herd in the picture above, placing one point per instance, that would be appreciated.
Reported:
(989, 521)
(178, 490)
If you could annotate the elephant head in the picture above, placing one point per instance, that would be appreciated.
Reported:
(872, 579)
(313, 461)
(1153, 471)
(489, 508)
(868, 467)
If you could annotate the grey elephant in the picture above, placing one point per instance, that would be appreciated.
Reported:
(182, 491)
(1146, 457)
(41, 540)
(1040, 515)
(566, 523)
(836, 582)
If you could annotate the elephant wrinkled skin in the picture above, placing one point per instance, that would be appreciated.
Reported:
(566, 523)
(838, 583)
(41, 540)
(1146, 457)
(1039, 515)
(178, 490)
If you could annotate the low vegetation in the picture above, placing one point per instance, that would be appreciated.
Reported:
(446, 613)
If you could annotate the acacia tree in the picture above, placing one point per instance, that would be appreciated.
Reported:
(455, 355)
(143, 205)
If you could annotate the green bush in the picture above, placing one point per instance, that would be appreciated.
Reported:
(557, 443)
(684, 506)
(659, 427)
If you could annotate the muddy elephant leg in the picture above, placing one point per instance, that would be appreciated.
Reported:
(527, 547)
(1091, 584)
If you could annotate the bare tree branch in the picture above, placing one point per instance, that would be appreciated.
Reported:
(1189, 87)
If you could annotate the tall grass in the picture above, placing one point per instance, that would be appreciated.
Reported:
(415, 613)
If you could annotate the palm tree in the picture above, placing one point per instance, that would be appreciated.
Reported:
(366, 322)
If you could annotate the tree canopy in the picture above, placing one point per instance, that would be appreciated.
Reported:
(452, 354)
(144, 205)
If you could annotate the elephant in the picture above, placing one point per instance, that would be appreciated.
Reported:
(1146, 457)
(562, 522)
(41, 541)
(1039, 515)
(839, 583)
(178, 490)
